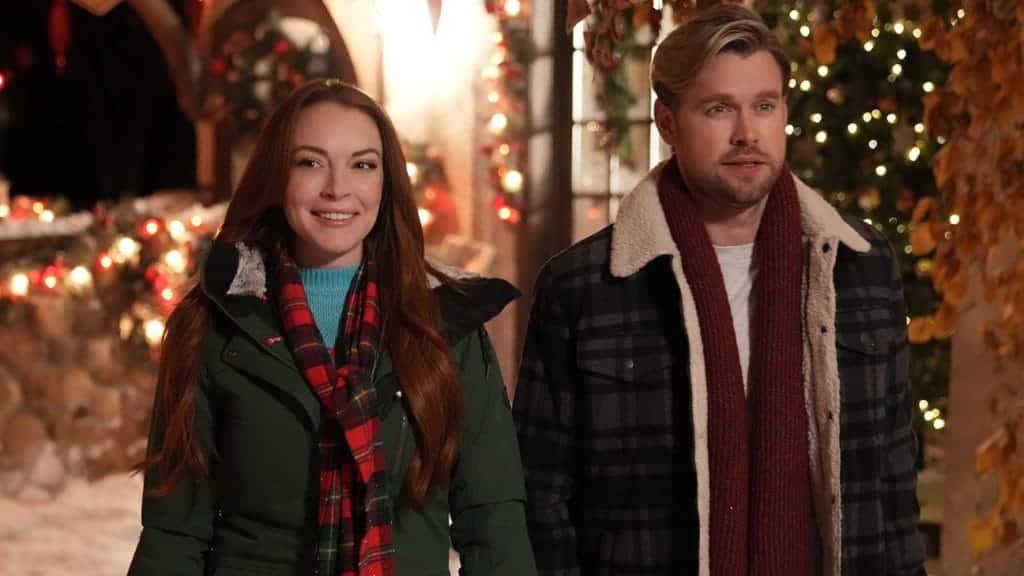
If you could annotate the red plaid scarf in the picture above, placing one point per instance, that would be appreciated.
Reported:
(761, 516)
(355, 516)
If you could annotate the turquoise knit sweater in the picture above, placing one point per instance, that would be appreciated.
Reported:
(326, 290)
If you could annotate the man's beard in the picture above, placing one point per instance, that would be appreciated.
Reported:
(734, 193)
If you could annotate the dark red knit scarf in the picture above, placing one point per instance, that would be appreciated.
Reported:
(761, 511)
(355, 517)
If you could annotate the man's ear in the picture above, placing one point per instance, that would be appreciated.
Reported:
(665, 121)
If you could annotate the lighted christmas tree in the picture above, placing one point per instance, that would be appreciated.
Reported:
(856, 105)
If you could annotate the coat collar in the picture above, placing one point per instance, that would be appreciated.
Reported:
(235, 278)
(641, 233)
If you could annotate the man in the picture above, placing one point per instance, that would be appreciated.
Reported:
(717, 384)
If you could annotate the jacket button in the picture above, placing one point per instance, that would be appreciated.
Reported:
(629, 364)
(232, 354)
(826, 248)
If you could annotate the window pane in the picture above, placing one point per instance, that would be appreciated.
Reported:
(589, 214)
(589, 163)
(584, 106)
(625, 176)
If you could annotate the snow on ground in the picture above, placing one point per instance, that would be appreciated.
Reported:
(89, 529)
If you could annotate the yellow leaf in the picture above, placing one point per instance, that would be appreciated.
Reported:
(920, 330)
(921, 239)
(955, 290)
(982, 536)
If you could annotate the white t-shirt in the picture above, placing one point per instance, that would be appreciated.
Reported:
(737, 264)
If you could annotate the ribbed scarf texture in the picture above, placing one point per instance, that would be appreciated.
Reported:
(761, 509)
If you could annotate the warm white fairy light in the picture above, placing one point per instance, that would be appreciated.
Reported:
(46, 216)
(821, 137)
(897, 69)
(939, 424)
(876, 114)
(154, 331)
(794, 15)
(917, 33)
(901, 54)
(80, 276)
(954, 219)
(919, 128)
(898, 28)
(823, 71)
(872, 143)
(961, 13)
(19, 284)
(512, 181)
(881, 170)
(913, 154)
(498, 123)
(792, 82)
(413, 171)
(928, 87)
(513, 7)
(805, 85)
(875, 32)
(941, 139)
(891, 118)
(866, 116)
(852, 128)
(177, 230)
(869, 45)
(789, 129)
(816, 118)
(805, 30)
(175, 260)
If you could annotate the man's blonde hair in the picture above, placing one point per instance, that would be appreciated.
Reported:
(723, 28)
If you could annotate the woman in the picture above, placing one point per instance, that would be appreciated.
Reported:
(326, 399)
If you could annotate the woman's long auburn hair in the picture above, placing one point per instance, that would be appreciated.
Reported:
(409, 310)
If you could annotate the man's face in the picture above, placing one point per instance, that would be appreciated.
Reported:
(728, 129)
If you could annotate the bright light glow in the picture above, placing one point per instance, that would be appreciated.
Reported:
(869, 45)
(805, 31)
(898, 28)
(897, 69)
(923, 405)
(50, 281)
(177, 230)
(919, 128)
(821, 137)
(822, 70)
(928, 87)
(46, 216)
(19, 285)
(412, 171)
(881, 170)
(816, 118)
(513, 7)
(789, 129)
(805, 85)
(954, 219)
(913, 154)
(872, 143)
(512, 181)
(891, 118)
(794, 15)
(498, 123)
(852, 128)
(426, 217)
(175, 260)
(154, 331)
(80, 276)
(901, 53)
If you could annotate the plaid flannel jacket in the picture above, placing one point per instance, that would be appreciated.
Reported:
(612, 426)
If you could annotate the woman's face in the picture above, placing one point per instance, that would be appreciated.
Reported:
(335, 184)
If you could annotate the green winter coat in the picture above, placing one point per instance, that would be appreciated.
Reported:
(257, 420)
